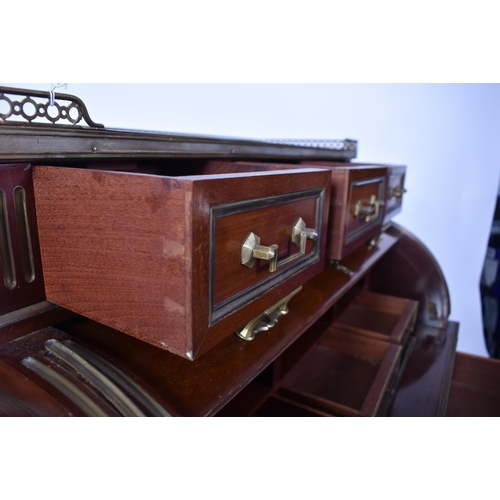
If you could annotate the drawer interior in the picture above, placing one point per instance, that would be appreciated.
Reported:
(179, 167)
(344, 374)
(380, 316)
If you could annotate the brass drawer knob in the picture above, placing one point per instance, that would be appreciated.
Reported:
(251, 250)
(370, 211)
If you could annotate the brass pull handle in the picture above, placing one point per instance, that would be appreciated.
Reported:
(397, 192)
(370, 211)
(268, 319)
(251, 250)
(343, 269)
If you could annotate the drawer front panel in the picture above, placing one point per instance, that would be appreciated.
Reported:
(357, 205)
(272, 219)
(393, 201)
(365, 206)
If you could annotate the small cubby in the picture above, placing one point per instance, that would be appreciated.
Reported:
(344, 374)
(378, 316)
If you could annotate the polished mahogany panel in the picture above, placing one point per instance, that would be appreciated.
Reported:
(412, 272)
(425, 384)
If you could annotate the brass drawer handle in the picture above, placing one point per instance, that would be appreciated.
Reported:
(370, 211)
(268, 319)
(343, 269)
(251, 250)
(397, 192)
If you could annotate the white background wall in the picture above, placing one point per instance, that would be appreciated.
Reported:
(448, 135)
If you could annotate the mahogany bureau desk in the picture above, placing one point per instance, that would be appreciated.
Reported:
(157, 274)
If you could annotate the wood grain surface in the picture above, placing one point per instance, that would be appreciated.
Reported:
(134, 251)
(113, 249)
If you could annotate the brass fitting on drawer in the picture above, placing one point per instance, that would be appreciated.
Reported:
(265, 321)
(397, 192)
(340, 267)
(368, 212)
(252, 250)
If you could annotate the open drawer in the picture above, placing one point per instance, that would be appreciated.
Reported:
(379, 316)
(357, 204)
(343, 374)
(395, 191)
(179, 262)
(395, 183)
(358, 208)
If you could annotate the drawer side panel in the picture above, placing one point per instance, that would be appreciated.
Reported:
(113, 250)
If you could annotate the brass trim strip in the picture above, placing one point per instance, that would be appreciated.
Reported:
(119, 377)
(110, 391)
(6, 254)
(26, 313)
(27, 259)
(67, 388)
